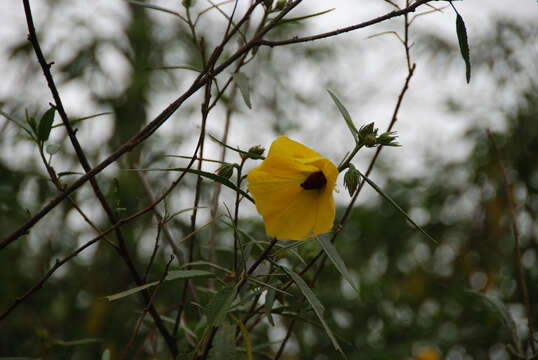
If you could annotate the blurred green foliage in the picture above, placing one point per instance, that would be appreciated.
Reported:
(413, 293)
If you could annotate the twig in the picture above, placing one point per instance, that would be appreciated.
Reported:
(155, 248)
(515, 229)
(149, 129)
(325, 35)
(146, 309)
(112, 215)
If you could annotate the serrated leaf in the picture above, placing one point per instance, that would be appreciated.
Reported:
(397, 207)
(464, 46)
(45, 125)
(224, 344)
(208, 175)
(498, 306)
(218, 307)
(268, 306)
(347, 117)
(172, 275)
(242, 81)
(337, 261)
(315, 303)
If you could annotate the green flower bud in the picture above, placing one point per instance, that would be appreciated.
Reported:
(226, 171)
(370, 140)
(254, 152)
(351, 179)
(388, 139)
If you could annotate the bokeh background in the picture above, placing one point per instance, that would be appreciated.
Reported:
(414, 295)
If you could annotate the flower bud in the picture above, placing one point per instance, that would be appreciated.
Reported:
(254, 152)
(351, 179)
(226, 171)
(388, 139)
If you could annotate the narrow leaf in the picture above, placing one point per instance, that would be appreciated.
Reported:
(335, 258)
(397, 207)
(224, 344)
(464, 46)
(246, 337)
(78, 342)
(314, 302)
(346, 116)
(246, 153)
(242, 81)
(268, 306)
(218, 307)
(206, 174)
(172, 275)
(45, 125)
(299, 18)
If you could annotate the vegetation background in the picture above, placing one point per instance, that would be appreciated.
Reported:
(458, 299)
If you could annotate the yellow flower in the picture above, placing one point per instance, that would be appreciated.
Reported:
(293, 191)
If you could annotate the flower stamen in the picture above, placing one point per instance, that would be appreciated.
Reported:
(316, 180)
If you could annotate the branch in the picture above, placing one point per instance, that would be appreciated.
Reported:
(521, 274)
(379, 19)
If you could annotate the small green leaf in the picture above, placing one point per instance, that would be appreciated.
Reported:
(218, 307)
(315, 303)
(346, 116)
(242, 81)
(335, 258)
(268, 306)
(172, 275)
(224, 344)
(464, 46)
(397, 207)
(45, 124)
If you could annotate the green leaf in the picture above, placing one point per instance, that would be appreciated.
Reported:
(268, 306)
(19, 124)
(335, 258)
(77, 120)
(315, 303)
(172, 275)
(208, 175)
(218, 307)
(45, 125)
(224, 344)
(246, 337)
(242, 81)
(498, 306)
(299, 18)
(241, 152)
(464, 46)
(346, 116)
(78, 342)
(397, 207)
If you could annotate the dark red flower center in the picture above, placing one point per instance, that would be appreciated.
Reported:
(315, 180)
